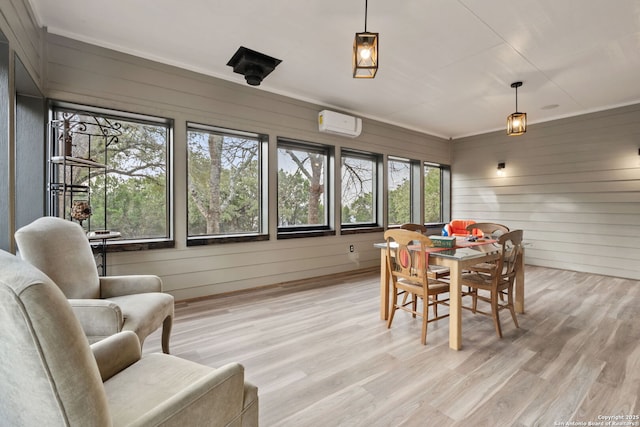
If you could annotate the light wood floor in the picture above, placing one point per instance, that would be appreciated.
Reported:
(321, 356)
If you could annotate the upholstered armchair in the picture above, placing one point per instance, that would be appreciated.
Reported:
(52, 377)
(458, 227)
(104, 305)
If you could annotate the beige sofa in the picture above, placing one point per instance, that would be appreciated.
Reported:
(51, 376)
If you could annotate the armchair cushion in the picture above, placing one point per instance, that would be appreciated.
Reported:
(203, 392)
(144, 312)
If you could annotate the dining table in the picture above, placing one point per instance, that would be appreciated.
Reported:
(459, 258)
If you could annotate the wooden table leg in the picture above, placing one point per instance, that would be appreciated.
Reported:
(455, 310)
(384, 286)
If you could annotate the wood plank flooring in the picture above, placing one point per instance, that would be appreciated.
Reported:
(321, 356)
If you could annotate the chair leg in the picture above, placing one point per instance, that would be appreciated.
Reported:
(435, 305)
(166, 333)
(495, 313)
(425, 318)
(414, 304)
(511, 306)
(394, 303)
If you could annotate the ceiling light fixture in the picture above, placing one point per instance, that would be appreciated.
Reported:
(516, 122)
(500, 169)
(365, 52)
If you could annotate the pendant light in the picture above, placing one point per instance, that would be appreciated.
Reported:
(516, 122)
(365, 52)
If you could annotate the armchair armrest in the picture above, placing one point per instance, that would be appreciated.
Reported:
(220, 392)
(99, 318)
(117, 286)
(115, 353)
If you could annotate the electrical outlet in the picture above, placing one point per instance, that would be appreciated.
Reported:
(351, 248)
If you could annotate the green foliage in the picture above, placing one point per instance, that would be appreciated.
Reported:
(224, 191)
(293, 198)
(360, 211)
(399, 203)
(135, 186)
(432, 211)
(224, 184)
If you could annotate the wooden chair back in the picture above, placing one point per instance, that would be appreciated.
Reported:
(408, 263)
(488, 229)
(511, 244)
(414, 227)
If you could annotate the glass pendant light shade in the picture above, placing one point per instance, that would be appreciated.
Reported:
(365, 55)
(516, 122)
(365, 52)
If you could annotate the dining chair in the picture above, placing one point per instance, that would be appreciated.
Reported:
(414, 227)
(407, 263)
(488, 230)
(435, 272)
(499, 280)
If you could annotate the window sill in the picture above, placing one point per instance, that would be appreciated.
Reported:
(210, 240)
(305, 233)
(361, 230)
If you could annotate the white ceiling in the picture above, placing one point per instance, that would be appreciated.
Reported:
(446, 66)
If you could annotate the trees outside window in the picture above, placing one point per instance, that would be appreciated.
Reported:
(132, 196)
(432, 193)
(399, 191)
(359, 184)
(224, 181)
(302, 186)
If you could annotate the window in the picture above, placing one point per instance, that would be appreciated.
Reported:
(399, 206)
(132, 194)
(359, 189)
(303, 202)
(225, 182)
(432, 193)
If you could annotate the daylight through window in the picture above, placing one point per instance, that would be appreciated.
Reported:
(224, 182)
(302, 186)
(131, 196)
(359, 189)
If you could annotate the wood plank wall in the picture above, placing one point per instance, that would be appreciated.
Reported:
(26, 38)
(572, 185)
(83, 73)
(21, 48)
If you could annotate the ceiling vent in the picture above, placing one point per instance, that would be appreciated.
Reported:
(339, 124)
(255, 66)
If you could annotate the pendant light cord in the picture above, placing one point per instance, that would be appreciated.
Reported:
(365, 14)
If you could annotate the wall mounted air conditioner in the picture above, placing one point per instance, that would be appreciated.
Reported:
(339, 124)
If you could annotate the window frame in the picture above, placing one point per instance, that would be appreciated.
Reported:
(376, 190)
(263, 144)
(326, 229)
(412, 190)
(445, 193)
(125, 244)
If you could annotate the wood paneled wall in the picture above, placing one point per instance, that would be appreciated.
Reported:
(572, 185)
(83, 73)
(21, 65)
(26, 38)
